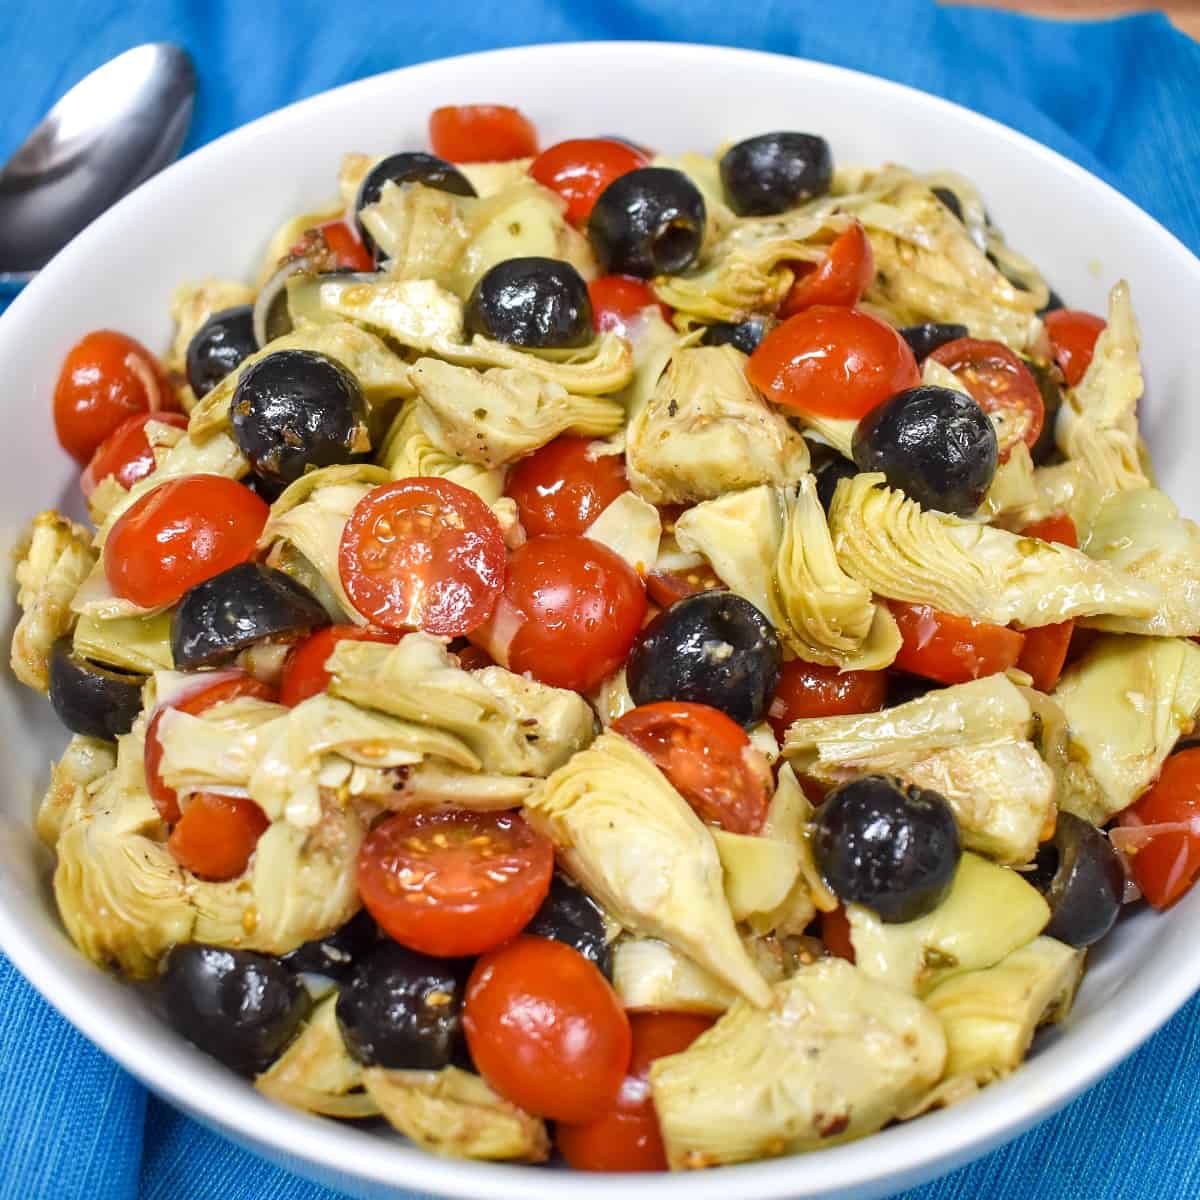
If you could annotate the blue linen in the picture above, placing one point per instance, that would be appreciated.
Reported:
(1122, 98)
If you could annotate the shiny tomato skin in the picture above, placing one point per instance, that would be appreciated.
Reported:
(1057, 527)
(810, 690)
(466, 133)
(1073, 335)
(832, 362)
(216, 835)
(126, 454)
(546, 1029)
(564, 487)
(666, 587)
(1166, 866)
(106, 378)
(452, 882)
(708, 759)
(304, 673)
(422, 553)
(952, 649)
(581, 168)
(839, 279)
(619, 300)
(1045, 651)
(179, 534)
(344, 244)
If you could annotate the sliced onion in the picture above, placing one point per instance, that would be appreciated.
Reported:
(304, 265)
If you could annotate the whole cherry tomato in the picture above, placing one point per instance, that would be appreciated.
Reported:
(216, 835)
(581, 168)
(810, 690)
(1073, 335)
(466, 133)
(619, 300)
(304, 673)
(126, 454)
(1167, 864)
(952, 649)
(565, 486)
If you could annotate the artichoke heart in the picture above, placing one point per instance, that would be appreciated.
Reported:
(139, 644)
(634, 843)
(85, 761)
(760, 872)
(834, 1057)
(603, 366)
(191, 305)
(423, 231)
(631, 528)
(408, 450)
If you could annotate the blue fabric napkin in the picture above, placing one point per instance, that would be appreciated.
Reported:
(1122, 98)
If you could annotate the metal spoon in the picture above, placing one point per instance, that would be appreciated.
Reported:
(111, 131)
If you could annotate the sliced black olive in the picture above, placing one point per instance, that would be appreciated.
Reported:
(220, 617)
(1054, 301)
(219, 346)
(903, 687)
(568, 914)
(410, 166)
(712, 648)
(295, 409)
(91, 699)
(887, 846)
(829, 476)
(923, 340)
(949, 199)
(773, 172)
(935, 444)
(745, 335)
(648, 222)
(402, 1009)
(1081, 876)
(336, 954)
(1051, 384)
(538, 302)
(239, 1006)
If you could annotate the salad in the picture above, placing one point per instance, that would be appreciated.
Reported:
(664, 660)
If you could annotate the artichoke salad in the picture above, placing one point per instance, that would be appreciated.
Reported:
(668, 659)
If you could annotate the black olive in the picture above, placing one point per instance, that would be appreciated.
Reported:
(218, 346)
(1081, 876)
(745, 335)
(648, 222)
(239, 1006)
(829, 476)
(1050, 383)
(537, 302)
(903, 687)
(773, 172)
(91, 699)
(410, 166)
(1054, 301)
(402, 1009)
(336, 954)
(295, 409)
(933, 443)
(220, 617)
(568, 914)
(889, 847)
(923, 340)
(949, 199)
(712, 648)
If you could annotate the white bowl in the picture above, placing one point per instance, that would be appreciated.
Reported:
(210, 216)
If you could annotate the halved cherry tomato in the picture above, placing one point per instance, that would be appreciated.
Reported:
(1168, 863)
(179, 534)
(422, 553)
(126, 454)
(835, 933)
(1073, 335)
(708, 759)
(1001, 384)
(564, 486)
(809, 690)
(832, 362)
(666, 587)
(619, 300)
(226, 688)
(627, 1136)
(466, 133)
(346, 247)
(581, 168)
(1057, 527)
(105, 379)
(546, 1030)
(304, 673)
(216, 835)
(949, 648)
(1045, 651)
(839, 279)
(451, 881)
(569, 612)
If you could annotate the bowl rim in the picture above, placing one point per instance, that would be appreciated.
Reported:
(936, 1143)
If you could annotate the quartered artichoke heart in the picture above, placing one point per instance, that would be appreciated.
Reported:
(408, 450)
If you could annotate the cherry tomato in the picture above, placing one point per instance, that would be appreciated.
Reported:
(564, 487)
(835, 933)
(707, 758)
(1057, 527)
(952, 649)
(1001, 384)
(304, 673)
(105, 379)
(452, 882)
(839, 279)
(569, 613)
(126, 454)
(422, 553)
(466, 133)
(1045, 651)
(581, 168)
(1073, 337)
(627, 1137)
(216, 835)
(546, 1030)
(1166, 865)
(666, 587)
(833, 362)
(809, 690)
(346, 247)
(619, 300)
(179, 534)
(226, 688)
